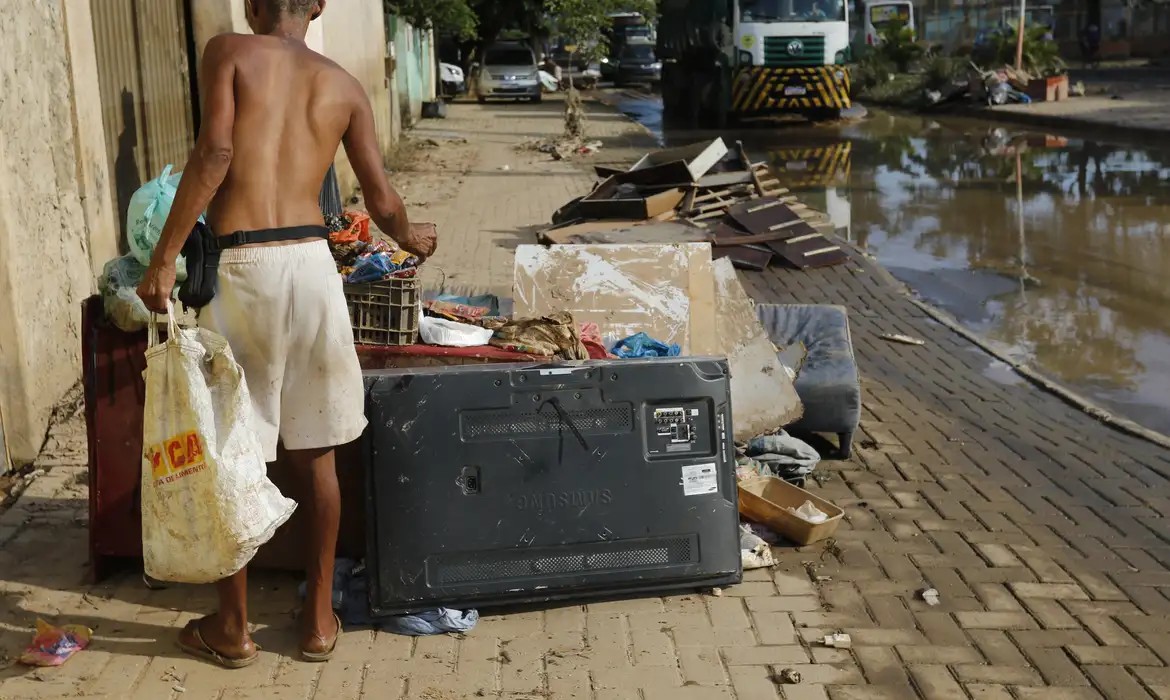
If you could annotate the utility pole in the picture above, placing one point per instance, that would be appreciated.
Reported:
(1020, 37)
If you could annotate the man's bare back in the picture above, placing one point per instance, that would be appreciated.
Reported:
(292, 108)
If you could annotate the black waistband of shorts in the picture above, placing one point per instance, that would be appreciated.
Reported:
(270, 235)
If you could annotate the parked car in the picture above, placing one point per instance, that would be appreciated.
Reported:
(638, 64)
(508, 70)
(453, 82)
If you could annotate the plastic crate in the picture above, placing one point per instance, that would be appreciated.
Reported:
(384, 313)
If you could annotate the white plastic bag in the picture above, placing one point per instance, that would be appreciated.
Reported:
(452, 334)
(207, 503)
(146, 215)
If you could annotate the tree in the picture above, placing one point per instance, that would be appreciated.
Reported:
(454, 17)
(583, 23)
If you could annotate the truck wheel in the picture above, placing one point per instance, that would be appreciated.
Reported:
(481, 99)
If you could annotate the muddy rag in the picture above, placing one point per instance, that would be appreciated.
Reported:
(351, 603)
(555, 335)
(784, 455)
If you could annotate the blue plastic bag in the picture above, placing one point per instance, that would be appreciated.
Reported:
(642, 345)
(147, 214)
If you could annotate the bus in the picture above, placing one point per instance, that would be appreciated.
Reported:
(879, 14)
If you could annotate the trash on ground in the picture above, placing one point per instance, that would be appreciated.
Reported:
(838, 641)
(754, 551)
(783, 455)
(789, 676)
(773, 502)
(810, 513)
(351, 603)
(748, 217)
(52, 646)
(930, 596)
(899, 338)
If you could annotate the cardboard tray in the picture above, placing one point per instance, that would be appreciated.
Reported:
(766, 501)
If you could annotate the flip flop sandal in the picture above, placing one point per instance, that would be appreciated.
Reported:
(205, 652)
(322, 656)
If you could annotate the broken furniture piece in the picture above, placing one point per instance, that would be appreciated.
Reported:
(827, 381)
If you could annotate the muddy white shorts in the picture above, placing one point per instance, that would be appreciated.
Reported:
(282, 310)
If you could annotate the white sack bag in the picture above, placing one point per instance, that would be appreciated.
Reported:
(207, 503)
(452, 334)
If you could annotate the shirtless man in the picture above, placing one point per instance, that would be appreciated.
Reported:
(274, 115)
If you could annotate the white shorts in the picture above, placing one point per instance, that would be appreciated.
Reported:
(284, 315)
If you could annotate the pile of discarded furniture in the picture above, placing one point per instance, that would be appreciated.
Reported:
(700, 193)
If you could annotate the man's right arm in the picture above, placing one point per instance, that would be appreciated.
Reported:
(385, 206)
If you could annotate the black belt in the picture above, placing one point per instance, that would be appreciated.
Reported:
(203, 247)
(269, 235)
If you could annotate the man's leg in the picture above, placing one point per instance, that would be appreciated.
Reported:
(321, 500)
(224, 633)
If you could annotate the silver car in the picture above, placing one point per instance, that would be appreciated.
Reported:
(509, 71)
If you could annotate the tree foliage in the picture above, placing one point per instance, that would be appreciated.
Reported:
(454, 17)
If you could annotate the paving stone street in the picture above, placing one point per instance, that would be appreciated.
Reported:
(1042, 529)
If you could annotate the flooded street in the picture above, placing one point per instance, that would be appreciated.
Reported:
(1054, 248)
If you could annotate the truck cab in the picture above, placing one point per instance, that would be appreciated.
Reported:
(792, 33)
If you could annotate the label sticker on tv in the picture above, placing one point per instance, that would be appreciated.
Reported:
(700, 479)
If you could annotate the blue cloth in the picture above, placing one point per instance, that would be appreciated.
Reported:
(441, 621)
(351, 603)
(642, 345)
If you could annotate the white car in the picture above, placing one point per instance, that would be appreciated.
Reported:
(509, 71)
(452, 79)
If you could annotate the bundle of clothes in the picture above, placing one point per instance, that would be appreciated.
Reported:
(362, 259)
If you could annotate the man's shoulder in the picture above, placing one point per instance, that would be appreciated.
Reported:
(231, 44)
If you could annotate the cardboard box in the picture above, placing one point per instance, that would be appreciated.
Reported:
(697, 159)
(602, 203)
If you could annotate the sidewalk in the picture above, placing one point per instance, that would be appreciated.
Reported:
(1041, 529)
(1140, 113)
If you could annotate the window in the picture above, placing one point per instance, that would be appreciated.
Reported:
(881, 15)
(509, 57)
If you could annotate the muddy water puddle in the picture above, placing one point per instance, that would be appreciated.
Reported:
(1055, 248)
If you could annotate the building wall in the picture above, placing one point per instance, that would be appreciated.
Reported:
(414, 75)
(52, 236)
(349, 32)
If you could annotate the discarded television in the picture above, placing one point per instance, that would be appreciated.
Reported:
(499, 484)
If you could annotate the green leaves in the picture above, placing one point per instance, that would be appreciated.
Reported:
(444, 16)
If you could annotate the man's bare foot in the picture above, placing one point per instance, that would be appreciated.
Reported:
(208, 638)
(319, 638)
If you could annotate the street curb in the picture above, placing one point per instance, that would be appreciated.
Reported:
(1025, 370)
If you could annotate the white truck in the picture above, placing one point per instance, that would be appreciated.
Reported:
(727, 60)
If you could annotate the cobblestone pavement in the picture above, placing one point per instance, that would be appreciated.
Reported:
(1040, 528)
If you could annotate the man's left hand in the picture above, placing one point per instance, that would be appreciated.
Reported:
(156, 287)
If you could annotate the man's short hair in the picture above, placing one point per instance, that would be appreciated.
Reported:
(296, 8)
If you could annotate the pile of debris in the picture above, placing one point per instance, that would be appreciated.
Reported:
(702, 193)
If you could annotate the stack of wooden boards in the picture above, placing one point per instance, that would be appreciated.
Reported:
(699, 193)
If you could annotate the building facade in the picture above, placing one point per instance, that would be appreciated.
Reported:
(99, 96)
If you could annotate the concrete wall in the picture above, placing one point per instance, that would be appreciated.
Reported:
(349, 32)
(52, 175)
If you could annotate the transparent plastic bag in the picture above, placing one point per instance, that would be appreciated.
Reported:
(148, 211)
(119, 289)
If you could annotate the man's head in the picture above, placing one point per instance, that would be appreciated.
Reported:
(266, 15)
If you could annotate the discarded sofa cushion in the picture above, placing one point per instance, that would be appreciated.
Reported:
(827, 381)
